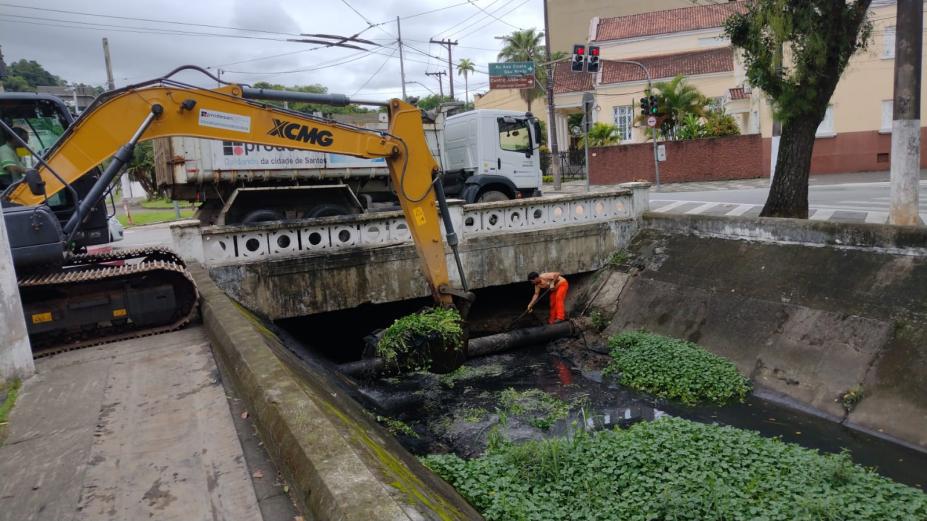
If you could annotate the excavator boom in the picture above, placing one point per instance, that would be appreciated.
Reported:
(165, 108)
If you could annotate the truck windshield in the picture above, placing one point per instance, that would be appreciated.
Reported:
(513, 135)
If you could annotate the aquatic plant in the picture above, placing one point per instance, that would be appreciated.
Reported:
(674, 369)
(599, 320)
(537, 407)
(673, 469)
(404, 343)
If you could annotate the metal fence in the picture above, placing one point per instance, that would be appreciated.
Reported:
(572, 164)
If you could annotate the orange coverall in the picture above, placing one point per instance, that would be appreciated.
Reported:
(558, 293)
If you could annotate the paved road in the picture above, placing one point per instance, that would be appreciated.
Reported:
(845, 202)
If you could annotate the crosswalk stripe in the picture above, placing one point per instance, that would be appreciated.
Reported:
(740, 210)
(701, 208)
(876, 217)
(670, 206)
(822, 215)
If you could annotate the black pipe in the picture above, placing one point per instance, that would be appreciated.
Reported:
(487, 345)
(335, 100)
(452, 239)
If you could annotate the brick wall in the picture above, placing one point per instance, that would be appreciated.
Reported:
(714, 159)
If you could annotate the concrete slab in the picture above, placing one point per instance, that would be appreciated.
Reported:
(139, 429)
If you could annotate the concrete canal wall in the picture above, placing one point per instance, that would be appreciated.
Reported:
(340, 464)
(809, 310)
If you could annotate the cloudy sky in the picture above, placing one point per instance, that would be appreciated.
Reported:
(247, 39)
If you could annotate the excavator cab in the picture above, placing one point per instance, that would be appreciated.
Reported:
(44, 119)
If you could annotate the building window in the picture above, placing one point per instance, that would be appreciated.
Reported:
(826, 128)
(624, 118)
(888, 42)
(887, 110)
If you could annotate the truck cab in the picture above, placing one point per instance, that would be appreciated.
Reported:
(492, 155)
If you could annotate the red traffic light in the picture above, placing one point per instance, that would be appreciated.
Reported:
(579, 49)
(593, 51)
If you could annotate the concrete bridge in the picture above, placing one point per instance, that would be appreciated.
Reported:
(290, 269)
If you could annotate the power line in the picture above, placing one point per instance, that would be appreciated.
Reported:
(510, 11)
(494, 16)
(380, 68)
(138, 30)
(325, 65)
(155, 20)
(465, 20)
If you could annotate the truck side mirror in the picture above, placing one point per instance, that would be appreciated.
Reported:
(35, 182)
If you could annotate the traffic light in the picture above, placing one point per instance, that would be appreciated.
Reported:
(654, 105)
(645, 106)
(593, 60)
(579, 58)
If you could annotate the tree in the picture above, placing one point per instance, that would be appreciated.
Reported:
(432, 101)
(141, 168)
(525, 46)
(821, 36)
(677, 99)
(466, 67)
(602, 134)
(26, 75)
(309, 107)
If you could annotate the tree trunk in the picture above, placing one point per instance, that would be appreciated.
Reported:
(466, 92)
(788, 195)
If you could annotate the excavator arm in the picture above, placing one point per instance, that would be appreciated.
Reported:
(166, 109)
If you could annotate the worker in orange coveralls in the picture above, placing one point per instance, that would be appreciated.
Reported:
(558, 287)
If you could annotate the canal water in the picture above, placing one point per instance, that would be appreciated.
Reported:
(462, 412)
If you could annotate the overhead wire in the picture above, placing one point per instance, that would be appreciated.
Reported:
(380, 68)
(494, 16)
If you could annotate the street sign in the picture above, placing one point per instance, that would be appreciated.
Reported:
(652, 121)
(511, 75)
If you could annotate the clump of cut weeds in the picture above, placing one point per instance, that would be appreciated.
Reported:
(852, 397)
(539, 409)
(619, 259)
(396, 427)
(405, 344)
(674, 369)
(599, 320)
(466, 372)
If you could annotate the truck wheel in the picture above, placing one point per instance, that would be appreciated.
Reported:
(327, 210)
(262, 215)
(492, 196)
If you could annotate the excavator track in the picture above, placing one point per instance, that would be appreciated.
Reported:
(88, 280)
(148, 254)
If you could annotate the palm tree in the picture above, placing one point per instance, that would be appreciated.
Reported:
(465, 67)
(525, 46)
(677, 99)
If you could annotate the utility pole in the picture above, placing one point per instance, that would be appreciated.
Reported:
(551, 113)
(450, 61)
(110, 84)
(402, 66)
(906, 114)
(15, 350)
(440, 84)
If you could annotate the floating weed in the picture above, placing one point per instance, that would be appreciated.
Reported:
(673, 469)
(396, 427)
(400, 345)
(538, 408)
(674, 369)
(466, 372)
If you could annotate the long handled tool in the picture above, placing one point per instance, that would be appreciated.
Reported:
(525, 312)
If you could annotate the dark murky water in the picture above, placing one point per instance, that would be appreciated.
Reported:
(460, 414)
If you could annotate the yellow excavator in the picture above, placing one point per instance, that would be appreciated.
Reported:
(72, 298)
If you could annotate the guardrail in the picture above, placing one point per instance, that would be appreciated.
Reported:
(220, 245)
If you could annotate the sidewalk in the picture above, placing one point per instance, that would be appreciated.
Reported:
(139, 429)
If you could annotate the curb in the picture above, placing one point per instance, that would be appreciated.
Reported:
(340, 464)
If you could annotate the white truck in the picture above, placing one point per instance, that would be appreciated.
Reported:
(485, 155)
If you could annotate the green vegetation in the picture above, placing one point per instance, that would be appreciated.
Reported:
(157, 216)
(474, 414)
(619, 258)
(164, 204)
(539, 409)
(404, 344)
(11, 389)
(396, 427)
(674, 469)
(674, 369)
(466, 372)
(547, 179)
(599, 320)
(852, 397)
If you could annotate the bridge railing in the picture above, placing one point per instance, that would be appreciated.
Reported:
(237, 244)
